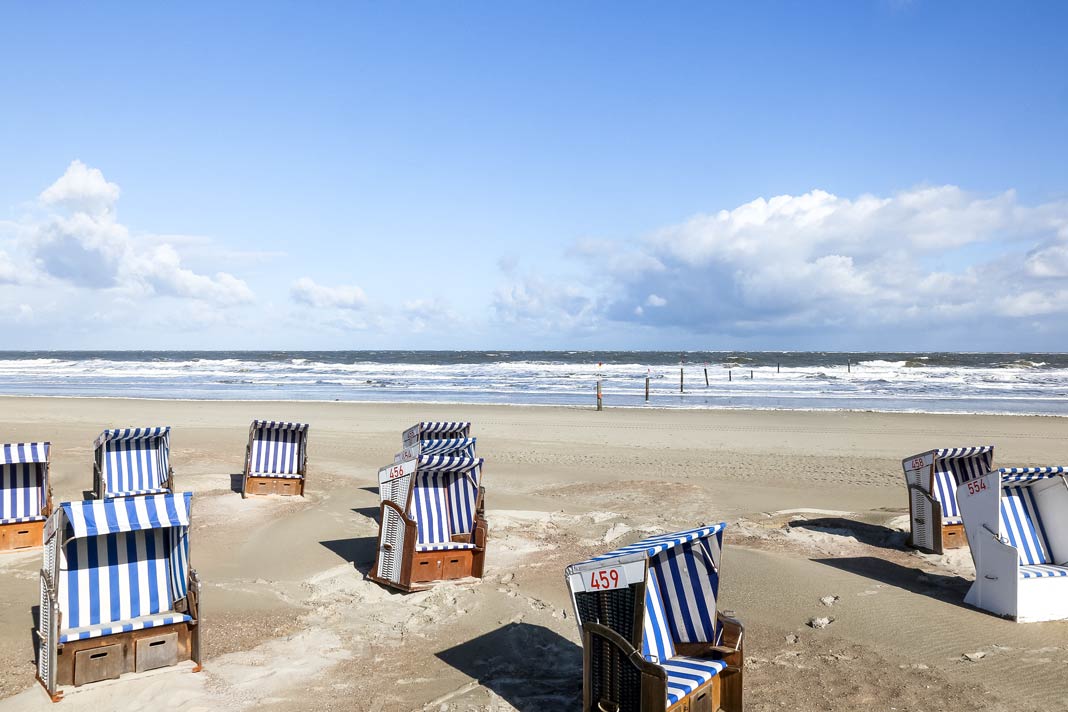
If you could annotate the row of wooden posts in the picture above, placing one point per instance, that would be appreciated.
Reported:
(682, 378)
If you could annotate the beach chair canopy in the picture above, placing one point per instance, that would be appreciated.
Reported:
(681, 576)
(278, 449)
(953, 466)
(435, 430)
(123, 563)
(439, 492)
(464, 447)
(23, 482)
(134, 461)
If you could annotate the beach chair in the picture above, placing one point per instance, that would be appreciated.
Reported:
(276, 458)
(1017, 522)
(931, 478)
(432, 525)
(117, 592)
(25, 494)
(652, 639)
(132, 462)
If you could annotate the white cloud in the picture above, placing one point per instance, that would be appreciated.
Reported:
(307, 291)
(82, 189)
(9, 272)
(655, 301)
(534, 302)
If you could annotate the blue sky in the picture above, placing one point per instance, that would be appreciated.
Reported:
(891, 175)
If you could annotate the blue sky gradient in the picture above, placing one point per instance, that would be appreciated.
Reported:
(522, 174)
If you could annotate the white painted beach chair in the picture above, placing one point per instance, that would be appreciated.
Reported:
(1017, 522)
(652, 639)
(432, 525)
(132, 462)
(25, 494)
(276, 459)
(117, 592)
(931, 478)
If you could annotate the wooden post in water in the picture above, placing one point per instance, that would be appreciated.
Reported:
(706, 375)
(750, 374)
(778, 368)
(646, 386)
(680, 379)
(730, 375)
(849, 367)
(600, 405)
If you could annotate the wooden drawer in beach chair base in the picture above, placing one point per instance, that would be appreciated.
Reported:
(400, 564)
(83, 661)
(274, 485)
(26, 535)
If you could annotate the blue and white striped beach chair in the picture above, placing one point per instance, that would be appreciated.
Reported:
(276, 458)
(117, 592)
(25, 494)
(132, 462)
(1017, 522)
(652, 639)
(432, 526)
(931, 478)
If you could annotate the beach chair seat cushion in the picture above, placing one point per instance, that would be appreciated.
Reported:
(138, 493)
(952, 520)
(687, 674)
(277, 475)
(139, 623)
(1043, 571)
(445, 546)
(21, 520)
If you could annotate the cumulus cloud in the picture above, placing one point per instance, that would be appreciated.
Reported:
(307, 291)
(9, 272)
(85, 245)
(82, 189)
(534, 301)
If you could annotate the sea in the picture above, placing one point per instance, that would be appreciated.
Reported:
(1007, 383)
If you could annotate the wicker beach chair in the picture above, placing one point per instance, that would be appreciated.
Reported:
(432, 525)
(931, 478)
(1017, 522)
(25, 494)
(276, 459)
(652, 639)
(132, 462)
(117, 592)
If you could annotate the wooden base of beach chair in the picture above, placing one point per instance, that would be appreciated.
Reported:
(84, 661)
(274, 485)
(953, 536)
(27, 535)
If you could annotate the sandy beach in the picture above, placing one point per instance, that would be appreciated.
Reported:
(815, 504)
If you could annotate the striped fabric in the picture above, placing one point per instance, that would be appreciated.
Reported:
(1022, 526)
(687, 674)
(449, 546)
(22, 492)
(689, 581)
(134, 460)
(1043, 571)
(438, 429)
(448, 446)
(657, 645)
(447, 463)
(954, 466)
(123, 565)
(443, 504)
(660, 543)
(1029, 474)
(142, 623)
(277, 449)
(24, 453)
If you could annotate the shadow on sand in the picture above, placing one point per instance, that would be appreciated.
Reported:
(359, 552)
(950, 589)
(531, 667)
(870, 534)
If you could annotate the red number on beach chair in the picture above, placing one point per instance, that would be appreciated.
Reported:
(976, 486)
(605, 579)
(917, 463)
